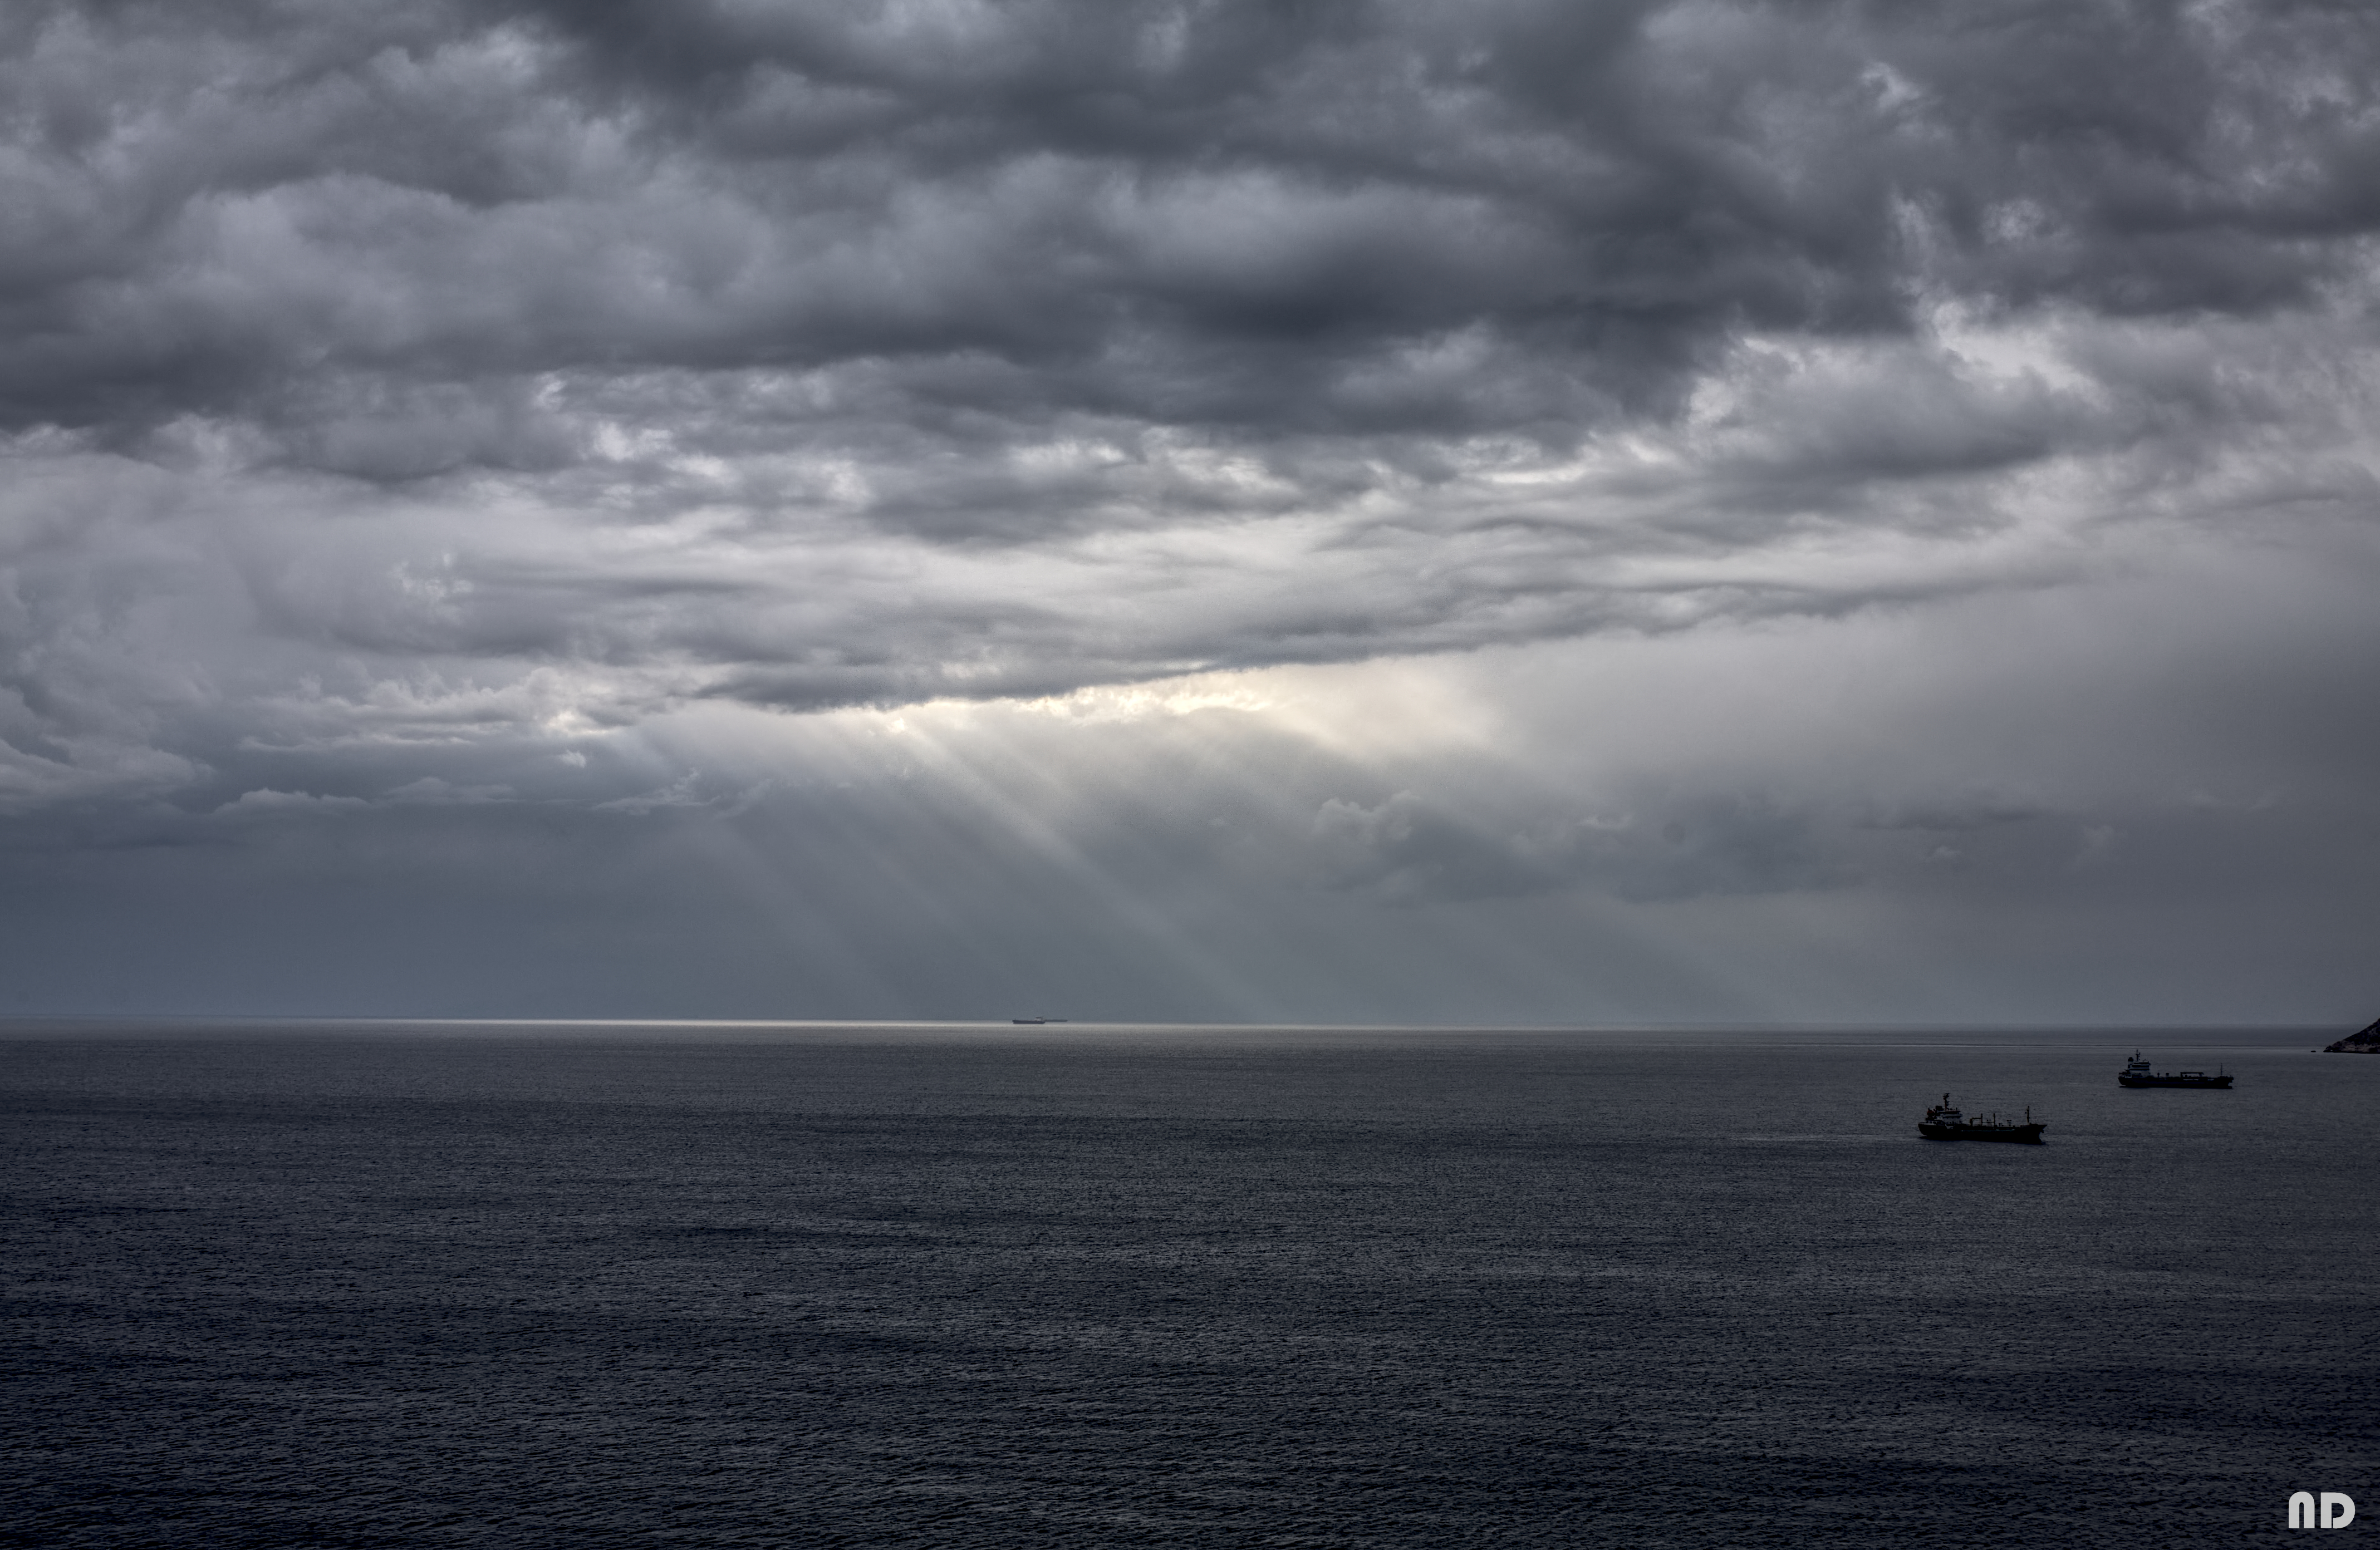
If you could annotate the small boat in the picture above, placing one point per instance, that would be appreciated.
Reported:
(1029, 1021)
(2137, 1074)
(1943, 1122)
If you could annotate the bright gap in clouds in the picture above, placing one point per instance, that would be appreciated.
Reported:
(2140, 798)
(2130, 800)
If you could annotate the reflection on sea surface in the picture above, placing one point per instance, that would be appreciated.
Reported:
(521, 1285)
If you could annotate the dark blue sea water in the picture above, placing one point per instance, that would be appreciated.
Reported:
(587, 1285)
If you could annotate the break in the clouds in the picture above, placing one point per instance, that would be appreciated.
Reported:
(413, 413)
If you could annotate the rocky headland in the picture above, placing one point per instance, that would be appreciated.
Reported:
(2365, 1043)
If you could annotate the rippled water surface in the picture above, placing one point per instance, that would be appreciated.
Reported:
(378, 1284)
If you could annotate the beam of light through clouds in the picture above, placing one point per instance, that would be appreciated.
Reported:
(1329, 510)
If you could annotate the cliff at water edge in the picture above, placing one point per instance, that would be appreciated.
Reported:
(2365, 1043)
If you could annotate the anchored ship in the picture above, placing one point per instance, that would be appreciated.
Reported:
(2137, 1074)
(1943, 1122)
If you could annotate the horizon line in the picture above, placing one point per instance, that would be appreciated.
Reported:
(9, 1020)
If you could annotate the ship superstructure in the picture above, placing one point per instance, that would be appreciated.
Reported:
(2138, 1074)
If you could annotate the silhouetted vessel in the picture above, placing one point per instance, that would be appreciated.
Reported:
(2137, 1074)
(1943, 1122)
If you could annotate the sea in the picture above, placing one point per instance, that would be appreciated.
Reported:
(583, 1284)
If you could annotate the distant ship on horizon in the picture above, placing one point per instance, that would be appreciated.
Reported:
(2137, 1074)
(1943, 1122)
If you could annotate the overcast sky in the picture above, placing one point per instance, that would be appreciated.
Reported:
(1541, 510)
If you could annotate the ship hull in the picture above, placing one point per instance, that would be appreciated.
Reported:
(2023, 1134)
(2173, 1082)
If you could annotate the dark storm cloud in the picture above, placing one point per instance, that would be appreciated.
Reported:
(430, 387)
(1223, 215)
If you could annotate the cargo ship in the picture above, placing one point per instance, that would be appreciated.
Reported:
(2137, 1074)
(1943, 1122)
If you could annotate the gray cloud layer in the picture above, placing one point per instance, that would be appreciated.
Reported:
(400, 407)
(1223, 216)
